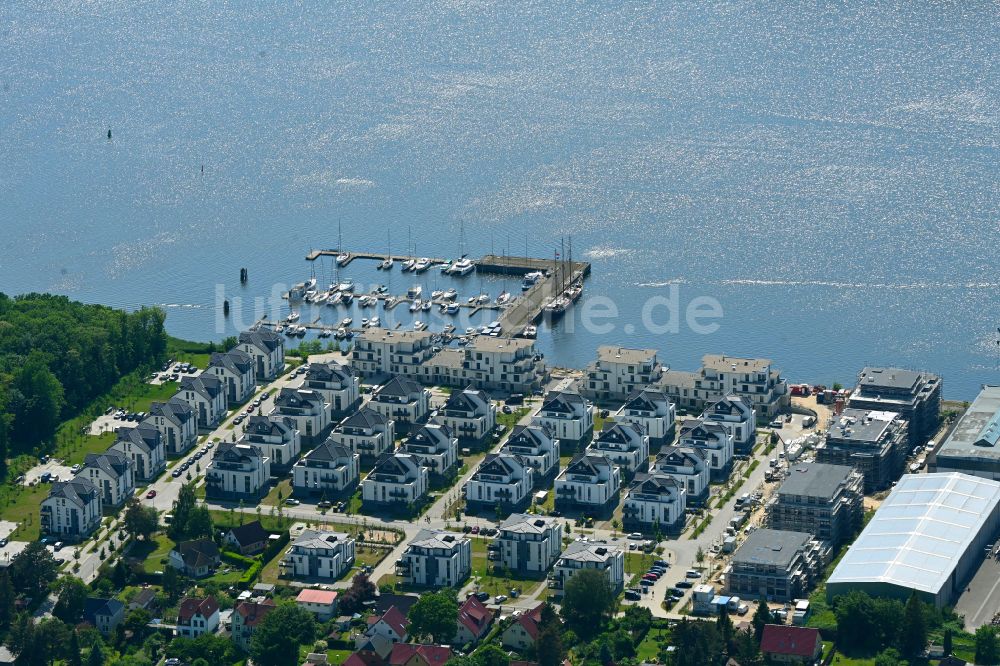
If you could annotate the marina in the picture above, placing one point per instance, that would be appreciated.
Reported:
(548, 288)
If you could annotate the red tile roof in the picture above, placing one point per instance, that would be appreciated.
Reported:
(474, 615)
(396, 621)
(317, 597)
(530, 621)
(253, 612)
(432, 655)
(792, 641)
(192, 605)
(363, 659)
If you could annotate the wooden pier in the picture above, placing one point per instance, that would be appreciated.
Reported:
(524, 310)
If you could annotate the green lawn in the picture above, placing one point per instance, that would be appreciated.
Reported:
(510, 420)
(20, 505)
(199, 361)
(281, 491)
(77, 450)
(151, 552)
(649, 648)
(497, 581)
(638, 563)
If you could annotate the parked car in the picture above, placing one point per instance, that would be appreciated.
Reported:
(475, 529)
(291, 501)
(685, 584)
(175, 473)
(632, 595)
(500, 598)
(647, 582)
(324, 504)
(483, 596)
(777, 423)
(661, 563)
(151, 494)
(57, 546)
(3, 542)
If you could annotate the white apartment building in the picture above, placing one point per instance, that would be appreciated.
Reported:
(319, 554)
(568, 416)
(307, 409)
(606, 557)
(470, 414)
(436, 558)
(651, 409)
(689, 467)
(737, 415)
(588, 483)
(367, 433)
(654, 503)
(237, 472)
(111, 472)
(72, 510)
(207, 398)
(330, 470)
(403, 400)
(720, 375)
(618, 371)
(267, 349)
(396, 480)
(339, 385)
(538, 447)
(502, 480)
(624, 444)
(528, 544)
(380, 351)
(504, 364)
(277, 437)
(143, 445)
(177, 423)
(714, 440)
(434, 447)
(235, 369)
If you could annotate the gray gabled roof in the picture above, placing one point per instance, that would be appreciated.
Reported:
(111, 462)
(330, 372)
(437, 435)
(655, 484)
(277, 426)
(144, 437)
(588, 463)
(236, 452)
(395, 464)
(621, 433)
(207, 385)
(529, 435)
(646, 400)
(500, 464)
(701, 427)
(680, 455)
(236, 361)
(329, 451)
(78, 490)
(95, 607)
(732, 404)
(469, 401)
(175, 410)
(298, 398)
(398, 386)
(524, 523)
(262, 337)
(563, 402)
(365, 418)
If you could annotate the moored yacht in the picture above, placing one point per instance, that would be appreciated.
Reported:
(422, 264)
(386, 264)
(450, 295)
(462, 267)
(343, 258)
(347, 322)
(414, 291)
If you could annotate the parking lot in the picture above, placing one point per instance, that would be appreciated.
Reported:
(55, 468)
(174, 373)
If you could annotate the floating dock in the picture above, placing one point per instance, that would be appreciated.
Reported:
(527, 308)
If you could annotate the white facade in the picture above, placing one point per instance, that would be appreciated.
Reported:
(434, 448)
(330, 469)
(714, 440)
(402, 400)
(177, 423)
(538, 447)
(307, 409)
(602, 556)
(507, 364)
(396, 479)
(235, 369)
(529, 544)
(144, 447)
(470, 414)
(501, 479)
(654, 501)
(320, 554)
(207, 398)
(568, 416)
(379, 351)
(72, 510)
(197, 617)
(111, 472)
(237, 471)
(689, 467)
(278, 439)
(436, 558)
(652, 410)
(339, 385)
(618, 371)
(267, 349)
(738, 416)
(588, 481)
(624, 444)
(367, 433)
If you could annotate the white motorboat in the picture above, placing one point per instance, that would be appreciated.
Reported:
(374, 321)
(310, 295)
(292, 317)
(419, 325)
(530, 279)
(472, 300)
(341, 333)
(443, 308)
(452, 308)
(483, 299)
(309, 284)
(381, 289)
(279, 329)
(325, 333)
(346, 286)
(347, 322)
(530, 331)
(436, 294)
(426, 305)
(414, 292)
(421, 265)
(390, 302)
(343, 258)
(450, 295)
(386, 264)
(333, 299)
(470, 331)
(409, 264)
(415, 305)
(462, 267)
(364, 322)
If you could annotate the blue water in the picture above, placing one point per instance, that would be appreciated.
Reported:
(828, 172)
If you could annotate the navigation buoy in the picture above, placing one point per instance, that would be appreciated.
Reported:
(109, 135)
(225, 307)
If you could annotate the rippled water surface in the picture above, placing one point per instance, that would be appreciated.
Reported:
(827, 172)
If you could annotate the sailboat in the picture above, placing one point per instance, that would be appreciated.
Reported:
(387, 262)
